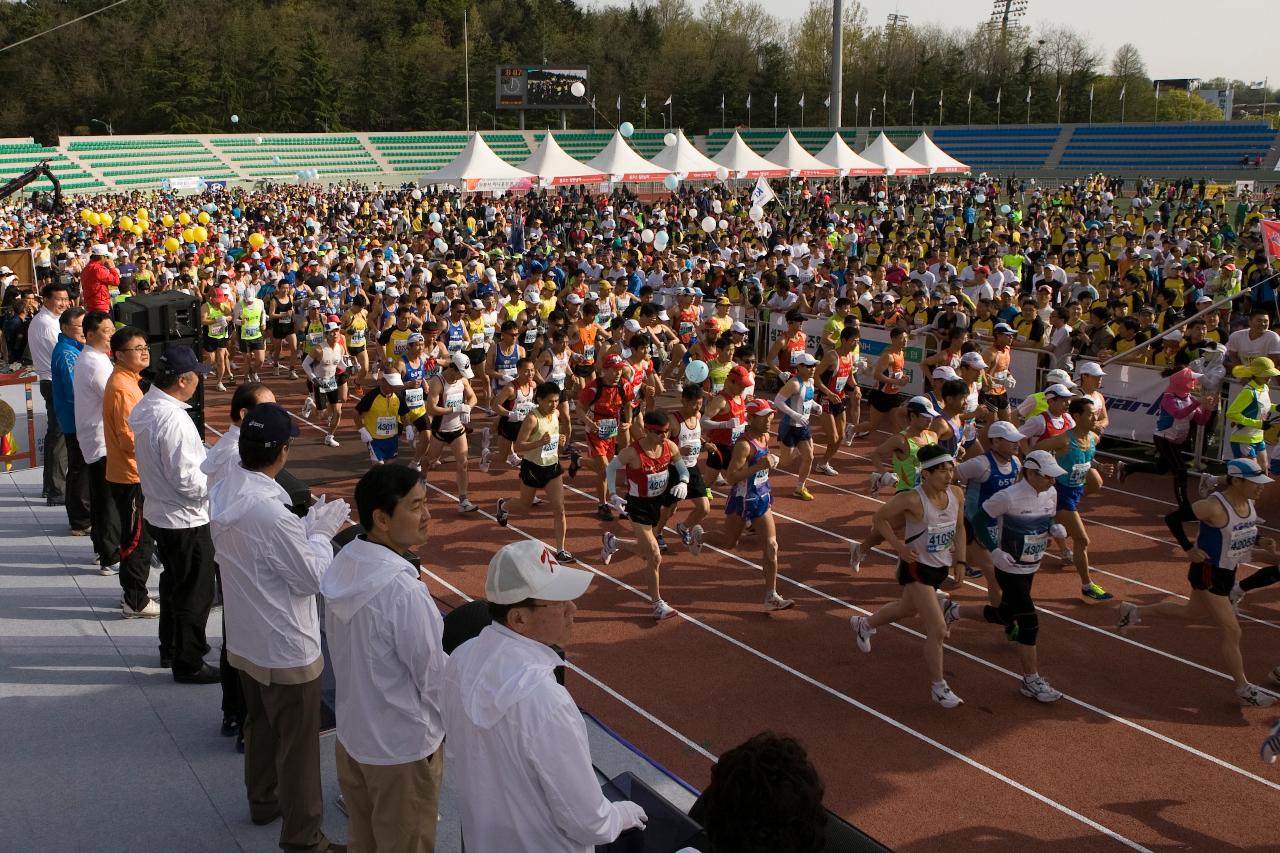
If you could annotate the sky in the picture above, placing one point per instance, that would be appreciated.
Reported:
(1170, 34)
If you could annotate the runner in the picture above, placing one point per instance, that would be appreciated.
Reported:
(749, 500)
(1251, 410)
(280, 315)
(250, 314)
(325, 367)
(603, 405)
(795, 401)
(355, 324)
(889, 375)
(724, 417)
(553, 366)
(513, 402)
(1227, 538)
(983, 476)
(538, 445)
(999, 381)
(378, 417)
(450, 399)
(842, 399)
(656, 478)
(688, 419)
(928, 514)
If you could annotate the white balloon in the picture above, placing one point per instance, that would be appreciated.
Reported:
(722, 174)
(716, 206)
(417, 195)
(980, 198)
(669, 140)
(437, 227)
(235, 119)
(647, 235)
(693, 214)
(756, 214)
(275, 161)
(626, 128)
(257, 140)
(709, 224)
(671, 182)
(578, 89)
(724, 224)
(660, 240)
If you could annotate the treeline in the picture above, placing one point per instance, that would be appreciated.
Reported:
(321, 65)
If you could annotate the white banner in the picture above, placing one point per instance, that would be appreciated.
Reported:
(1133, 394)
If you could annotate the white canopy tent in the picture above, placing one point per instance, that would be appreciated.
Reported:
(554, 167)
(837, 153)
(927, 153)
(685, 160)
(883, 153)
(623, 165)
(478, 169)
(791, 154)
(742, 162)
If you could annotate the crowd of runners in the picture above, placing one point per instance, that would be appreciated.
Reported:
(612, 343)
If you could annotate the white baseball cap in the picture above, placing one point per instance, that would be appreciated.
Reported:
(528, 569)
(921, 406)
(739, 327)
(1090, 368)
(1059, 376)
(463, 363)
(1059, 390)
(1005, 430)
(631, 325)
(974, 360)
(1247, 469)
(804, 359)
(393, 379)
(1043, 462)
(944, 371)
(573, 299)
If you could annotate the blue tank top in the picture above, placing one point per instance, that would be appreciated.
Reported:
(952, 444)
(976, 494)
(415, 398)
(504, 361)
(1231, 545)
(455, 337)
(801, 401)
(757, 485)
(1077, 460)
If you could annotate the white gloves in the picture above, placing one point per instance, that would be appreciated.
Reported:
(325, 518)
(633, 817)
(464, 414)
(410, 433)
(773, 460)
(680, 491)
(618, 503)
(364, 435)
(784, 376)
(861, 364)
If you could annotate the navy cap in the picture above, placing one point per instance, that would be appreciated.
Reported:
(268, 425)
(179, 360)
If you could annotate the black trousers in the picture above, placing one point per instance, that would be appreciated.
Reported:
(103, 515)
(186, 593)
(77, 489)
(55, 447)
(135, 543)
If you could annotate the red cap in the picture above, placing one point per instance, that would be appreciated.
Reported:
(614, 361)
(982, 269)
(758, 407)
(740, 374)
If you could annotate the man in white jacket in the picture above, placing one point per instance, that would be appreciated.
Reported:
(225, 455)
(385, 642)
(515, 741)
(271, 563)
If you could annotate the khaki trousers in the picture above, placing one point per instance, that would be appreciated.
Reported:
(392, 808)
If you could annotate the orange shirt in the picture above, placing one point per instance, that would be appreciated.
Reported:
(118, 399)
(585, 345)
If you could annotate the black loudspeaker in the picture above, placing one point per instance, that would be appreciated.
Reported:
(163, 316)
(299, 492)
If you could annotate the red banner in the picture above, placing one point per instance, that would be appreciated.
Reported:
(1271, 238)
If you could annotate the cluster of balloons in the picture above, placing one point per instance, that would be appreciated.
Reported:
(626, 129)
(660, 240)
(647, 235)
(308, 174)
(196, 234)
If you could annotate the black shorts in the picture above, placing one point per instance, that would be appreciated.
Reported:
(326, 398)
(718, 456)
(647, 512)
(476, 357)
(209, 344)
(537, 476)
(354, 351)
(508, 429)
(281, 331)
(697, 485)
(1207, 577)
(999, 402)
(913, 572)
(448, 437)
(584, 371)
(255, 345)
(882, 401)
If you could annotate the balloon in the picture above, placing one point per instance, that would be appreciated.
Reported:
(693, 214)
(441, 245)
(86, 214)
(166, 221)
(724, 224)
(709, 224)
(669, 140)
(210, 208)
(660, 240)
(138, 230)
(257, 140)
(256, 240)
(437, 227)
(91, 216)
(697, 372)
(1004, 208)
(201, 233)
(126, 223)
(184, 218)
(626, 128)
(756, 213)
(434, 217)
(578, 89)
(880, 194)
(315, 174)
(647, 235)
(202, 217)
(105, 220)
(235, 119)
(275, 161)
(980, 198)
(722, 174)
(188, 235)
(417, 195)
(171, 244)
(671, 182)
(143, 213)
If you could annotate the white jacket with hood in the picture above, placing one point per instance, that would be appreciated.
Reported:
(385, 643)
(517, 752)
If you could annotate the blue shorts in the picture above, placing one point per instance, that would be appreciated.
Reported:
(384, 449)
(1068, 496)
(791, 434)
(1247, 451)
(749, 508)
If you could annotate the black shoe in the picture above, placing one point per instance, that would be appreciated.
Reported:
(263, 821)
(204, 675)
(564, 557)
(575, 462)
(230, 726)
(166, 661)
(662, 544)
(55, 502)
(604, 513)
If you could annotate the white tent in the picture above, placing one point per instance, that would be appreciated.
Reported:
(478, 169)
(685, 160)
(837, 153)
(742, 162)
(554, 167)
(927, 153)
(790, 153)
(623, 165)
(883, 153)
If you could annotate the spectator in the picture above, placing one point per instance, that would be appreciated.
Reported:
(271, 563)
(119, 397)
(97, 279)
(515, 742)
(42, 337)
(224, 456)
(88, 384)
(386, 643)
(62, 367)
(175, 507)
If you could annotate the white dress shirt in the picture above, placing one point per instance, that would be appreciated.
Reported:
(169, 452)
(270, 568)
(386, 645)
(517, 752)
(42, 337)
(93, 368)
(222, 457)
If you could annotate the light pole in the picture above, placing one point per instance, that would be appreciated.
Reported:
(111, 131)
(837, 63)
(871, 119)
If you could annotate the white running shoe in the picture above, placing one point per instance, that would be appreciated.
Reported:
(330, 441)
(1128, 615)
(695, 541)
(1254, 697)
(773, 601)
(486, 440)
(1271, 746)
(485, 456)
(150, 611)
(465, 505)
(109, 571)
(279, 369)
(856, 556)
(293, 374)
(875, 483)
(222, 387)
(610, 547)
(1235, 596)
(537, 499)
(1208, 483)
(943, 696)
(862, 633)
(308, 407)
(825, 469)
(950, 610)
(662, 610)
(1037, 688)
(849, 431)
(513, 460)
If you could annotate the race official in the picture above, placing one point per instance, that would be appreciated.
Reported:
(93, 368)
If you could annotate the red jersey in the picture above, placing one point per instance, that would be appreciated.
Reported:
(734, 418)
(787, 355)
(604, 401)
(650, 479)
(838, 379)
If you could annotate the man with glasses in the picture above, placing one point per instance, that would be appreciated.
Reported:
(42, 337)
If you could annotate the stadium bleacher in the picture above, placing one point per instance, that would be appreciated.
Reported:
(416, 153)
(145, 161)
(19, 155)
(1009, 147)
(1207, 145)
(334, 156)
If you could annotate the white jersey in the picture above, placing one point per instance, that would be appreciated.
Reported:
(1024, 517)
(932, 538)
(452, 397)
(522, 404)
(1232, 544)
(690, 437)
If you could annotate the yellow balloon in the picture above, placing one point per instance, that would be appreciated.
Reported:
(171, 244)
(86, 215)
(166, 221)
(184, 218)
(200, 233)
(188, 235)
(143, 214)
(93, 218)
(138, 230)
(126, 223)
(202, 217)
(256, 240)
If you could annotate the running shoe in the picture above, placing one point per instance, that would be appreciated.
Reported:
(971, 572)
(662, 610)
(826, 470)
(563, 556)
(308, 407)
(279, 370)
(330, 441)
(875, 483)
(695, 545)
(1037, 688)
(1271, 746)
(1122, 471)
(1208, 483)
(604, 513)
(484, 460)
(682, 530)
(1096, 593)
(537, 500)
(862, 633)
(513, 461)
(850, 432)
(1254, 697)
(293, 374)
(803, 494)
(500, 513)
(943, 696)
(1066, 555)
(663, 548)
(950, 610)
(575, 462)
(465, 505)
(1128, 615)
(109, 571)
(856, 556)
(773, 601)
(610, 547)
(1235, 596)
(486, 440)
(222, 387)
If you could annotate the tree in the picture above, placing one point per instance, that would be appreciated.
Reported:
(318, 95)
(1127, 63)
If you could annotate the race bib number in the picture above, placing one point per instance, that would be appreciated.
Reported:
(940, 538)
(607, 428)
(453, 404)
(549, 449)
(315, 340)
(327, 384)
(251, 331)
(686, 329)
(737, 430)
(455, 345)
(1033, 547)
(760, 478)
(400, 347)
(588, 353)
(477, 341)
(530, 336)
(385, 427)
(414, 398)
(218, 326)
(358, 338)
(520, 411)
(1080, 472)
(1242, 541)
(657, 483)
(841, 381)
(691, 450)
(717, 387)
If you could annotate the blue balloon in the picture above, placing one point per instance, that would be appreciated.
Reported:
(671, 182)
(660, 240)
(626, 128)
(434, 217)
(697, 372)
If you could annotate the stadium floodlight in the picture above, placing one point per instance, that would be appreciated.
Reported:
(1007, 12)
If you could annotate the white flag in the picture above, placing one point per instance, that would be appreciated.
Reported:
(857, 98)
(827, 102)
(593, 102)
(748, 101)
(912, 102)
(1122, 88)
(619, 104)
(722, 100)
(1059, 98)
(667, 102)
(801, 100)
(644, 102)
(762, 194)
(939, 97)
(1157, 90)
(1091, 93)
(1258, 84)
(970, 99)
(999, 92)
(775, 100)
(1028, 94)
